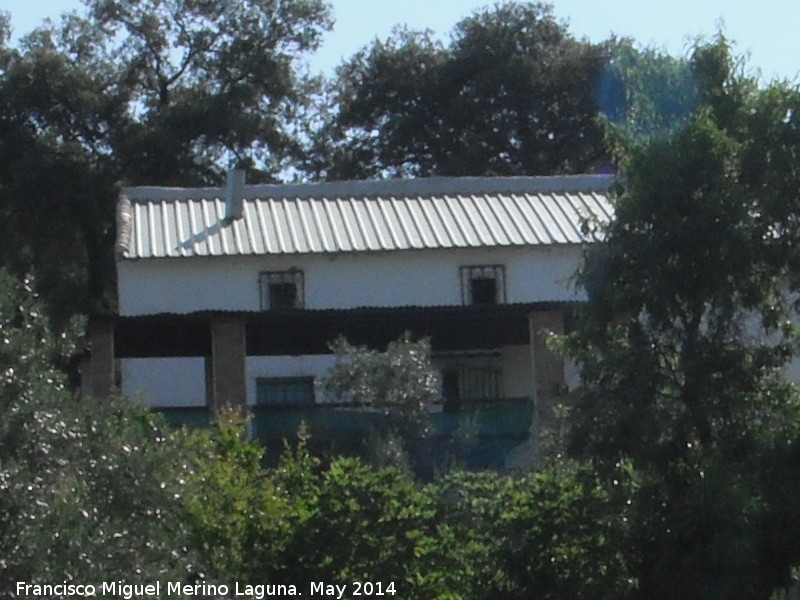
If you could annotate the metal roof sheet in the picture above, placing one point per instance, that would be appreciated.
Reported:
(361, 216)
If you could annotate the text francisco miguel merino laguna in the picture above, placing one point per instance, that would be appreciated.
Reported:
(131, 591)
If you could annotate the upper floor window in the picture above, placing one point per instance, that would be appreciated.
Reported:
(282, 290)
(483, 285)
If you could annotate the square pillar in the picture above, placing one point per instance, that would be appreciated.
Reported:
(98, 378)
(548, 367)
(227, 373)
(547, 387)
(549, 381)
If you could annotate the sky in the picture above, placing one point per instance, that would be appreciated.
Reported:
(765, 31)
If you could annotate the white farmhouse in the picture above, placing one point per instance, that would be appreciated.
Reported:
(232, 295)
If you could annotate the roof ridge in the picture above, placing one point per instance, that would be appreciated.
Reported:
(365, 188)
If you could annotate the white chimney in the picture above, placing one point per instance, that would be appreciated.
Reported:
(234, 194)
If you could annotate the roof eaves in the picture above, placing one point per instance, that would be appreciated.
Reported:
(124, 225)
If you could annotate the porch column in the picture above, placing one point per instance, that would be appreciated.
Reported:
(227, 376)
(548, 368)
(547, 386)
(549, 381)
(99, 377)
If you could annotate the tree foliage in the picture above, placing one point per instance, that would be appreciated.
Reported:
(644, 92)
(513, 93)
(86, 489)
(552, 534)
(156, 92)
(401, 382)
(237, 517)
(466, 536)
(93, 492)
(687, 330)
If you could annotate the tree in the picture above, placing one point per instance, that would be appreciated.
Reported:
(548, 534)
(644, 92)
(685, 336)
(88, 491)
(400, 382)
(512, 94)
(155, 92)
(237, 516)
(465, 535)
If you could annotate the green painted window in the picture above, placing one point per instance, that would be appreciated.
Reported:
(285, 392)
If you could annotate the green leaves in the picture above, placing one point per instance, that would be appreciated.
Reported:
(237, 517)
(85, 488)
(400, 381)
(687, 331)
(512, 94)
(160, 92)
(645, 93)
(466, 536)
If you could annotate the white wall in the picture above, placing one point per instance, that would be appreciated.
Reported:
(346, 280)
(518, 379)
(165, 381)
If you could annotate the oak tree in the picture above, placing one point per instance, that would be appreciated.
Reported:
(157, 92)
(513, 93)
(686, 334)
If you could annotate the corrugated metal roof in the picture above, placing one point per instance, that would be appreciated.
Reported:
(361, 216)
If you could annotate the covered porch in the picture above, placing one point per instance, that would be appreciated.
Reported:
(499, 376)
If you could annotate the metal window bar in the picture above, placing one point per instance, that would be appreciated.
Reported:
(282, 290)
(474, 291)
(479, 383)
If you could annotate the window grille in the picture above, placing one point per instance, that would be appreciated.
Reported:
(282, 290)
(479, 383)
(483, 285)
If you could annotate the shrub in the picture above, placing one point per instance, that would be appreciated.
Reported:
(551, 534)
(236, 514)
(88, 490)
